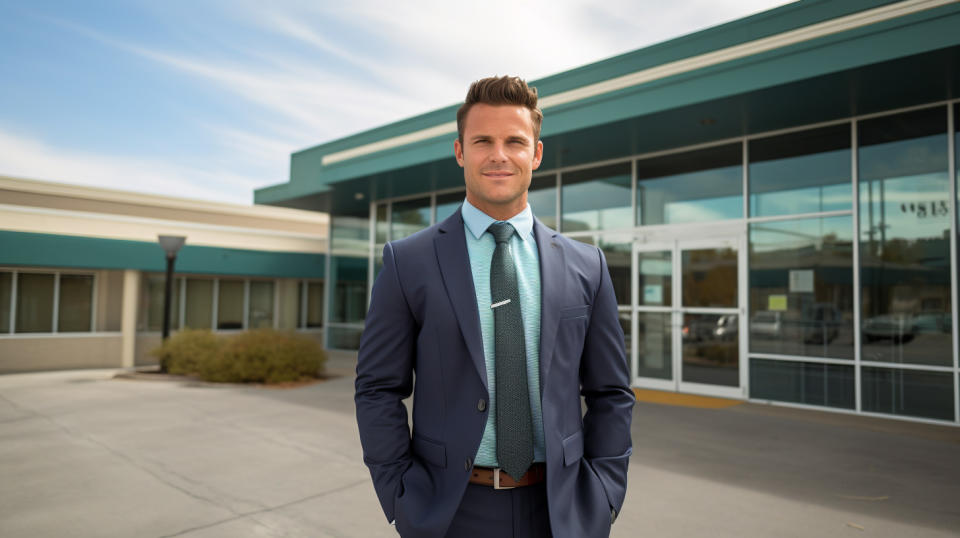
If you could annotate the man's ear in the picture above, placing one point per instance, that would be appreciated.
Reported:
(458, 151)
(538, 155)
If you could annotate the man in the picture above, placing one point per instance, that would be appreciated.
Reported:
(505, 323)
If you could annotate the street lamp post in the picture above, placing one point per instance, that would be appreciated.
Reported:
(171, 245)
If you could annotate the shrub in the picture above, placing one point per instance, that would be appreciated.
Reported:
(187, 350)
(265, 356)
(256, 356)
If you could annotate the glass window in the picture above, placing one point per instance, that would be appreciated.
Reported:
(655, 350)
(314, 310)
(542, 198)
(908, 392)
(710, 277)
(805, 172)
(710, 350)
(75, 312)
(152, 303)
(618, 263)
(261, 304)
(904, 238)
(597, 199)
(382, 227)
(6, 293)
(656, 276)
(830, 385)
(351, 233)
(230, 305)
(694, 186)
(801, 287)
(34, 303)
(199, 303)
(447, 204)
(289, 292)
(409, 217)
(349, 289)
(345, 337)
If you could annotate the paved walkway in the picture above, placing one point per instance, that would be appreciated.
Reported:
(84, 454)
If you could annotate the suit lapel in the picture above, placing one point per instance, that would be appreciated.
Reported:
(454, 261)
(552, 288)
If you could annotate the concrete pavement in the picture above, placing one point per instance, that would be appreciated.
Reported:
(84, 454)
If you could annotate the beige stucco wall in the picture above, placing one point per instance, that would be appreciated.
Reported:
(109, 300)
(27, 354)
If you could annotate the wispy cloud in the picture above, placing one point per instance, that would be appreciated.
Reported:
(30, 158)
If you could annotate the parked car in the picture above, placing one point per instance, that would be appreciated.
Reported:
(898, 327)
(767, 324)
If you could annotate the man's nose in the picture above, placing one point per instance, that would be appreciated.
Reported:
(498, 152)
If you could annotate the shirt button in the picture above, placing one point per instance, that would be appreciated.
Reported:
(467, 465)
(481, 405)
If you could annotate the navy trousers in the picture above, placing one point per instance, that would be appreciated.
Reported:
(485, 512)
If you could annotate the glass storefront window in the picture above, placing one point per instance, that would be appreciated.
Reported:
(261, 304)
(655, 278)
(908, 392)
(801, 287)
(710, 349)
(618, 255)
(654, 342)
(597, 198)
(904, 239)
(35, 303)
(694, 186)
(289, 298)
(710, 278)
(804, 172)
(409, 217)
(313, 310)
(382, 226)
(447, 204)
(230, 305)
(75, 311)
(542, 198)
(151, 308)
(6, 294)
(830, 385)
(349, 290)
(199, 303)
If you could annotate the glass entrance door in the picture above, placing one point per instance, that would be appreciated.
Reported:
(689, 324)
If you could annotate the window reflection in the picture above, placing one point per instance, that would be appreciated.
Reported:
(597, 199)
(710, 277)
(711, 352)
(618, 255)
(447, 204)
(904, 246)
(908, 392)
(409, 217)
(655, 278)
(801, 287)
(831, 385)
(542, 198)
(654, 337)
(6, 293)
(804, 172)
(694, 186)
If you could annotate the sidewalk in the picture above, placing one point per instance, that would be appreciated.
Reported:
(83, 454)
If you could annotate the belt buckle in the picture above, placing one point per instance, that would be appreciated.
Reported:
(496, 480)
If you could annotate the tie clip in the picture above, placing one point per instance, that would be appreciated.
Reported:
(501, 303)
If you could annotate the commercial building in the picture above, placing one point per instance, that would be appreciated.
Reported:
(82, 275)
(776, 198)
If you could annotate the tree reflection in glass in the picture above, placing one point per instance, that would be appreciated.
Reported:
(904, 239)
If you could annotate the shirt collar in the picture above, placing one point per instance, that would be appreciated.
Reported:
(477, 221)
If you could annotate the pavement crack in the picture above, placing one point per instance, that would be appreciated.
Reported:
(266, 510)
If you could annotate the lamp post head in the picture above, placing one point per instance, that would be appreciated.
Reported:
(171, 244)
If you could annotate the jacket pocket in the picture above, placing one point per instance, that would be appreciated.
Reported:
(430, 451)
(573, 448)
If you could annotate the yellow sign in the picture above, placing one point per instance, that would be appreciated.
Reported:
(777, 303)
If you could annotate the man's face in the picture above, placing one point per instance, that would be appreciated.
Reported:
(498, 156)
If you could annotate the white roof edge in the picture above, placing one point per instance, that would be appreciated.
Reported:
(156, 200)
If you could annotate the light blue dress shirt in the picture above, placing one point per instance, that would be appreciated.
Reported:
(526, 257)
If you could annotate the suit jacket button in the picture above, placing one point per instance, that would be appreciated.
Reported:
(467, 465)
(481, 405)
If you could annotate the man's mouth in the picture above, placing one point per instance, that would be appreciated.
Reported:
(497, 173)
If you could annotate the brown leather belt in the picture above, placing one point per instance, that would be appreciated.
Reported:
(488, 476)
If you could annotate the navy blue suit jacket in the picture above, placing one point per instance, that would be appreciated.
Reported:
(423, 320)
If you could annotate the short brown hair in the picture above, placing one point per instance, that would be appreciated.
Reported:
(504, 90)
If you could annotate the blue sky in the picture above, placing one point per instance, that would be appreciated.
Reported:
(208, 99)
